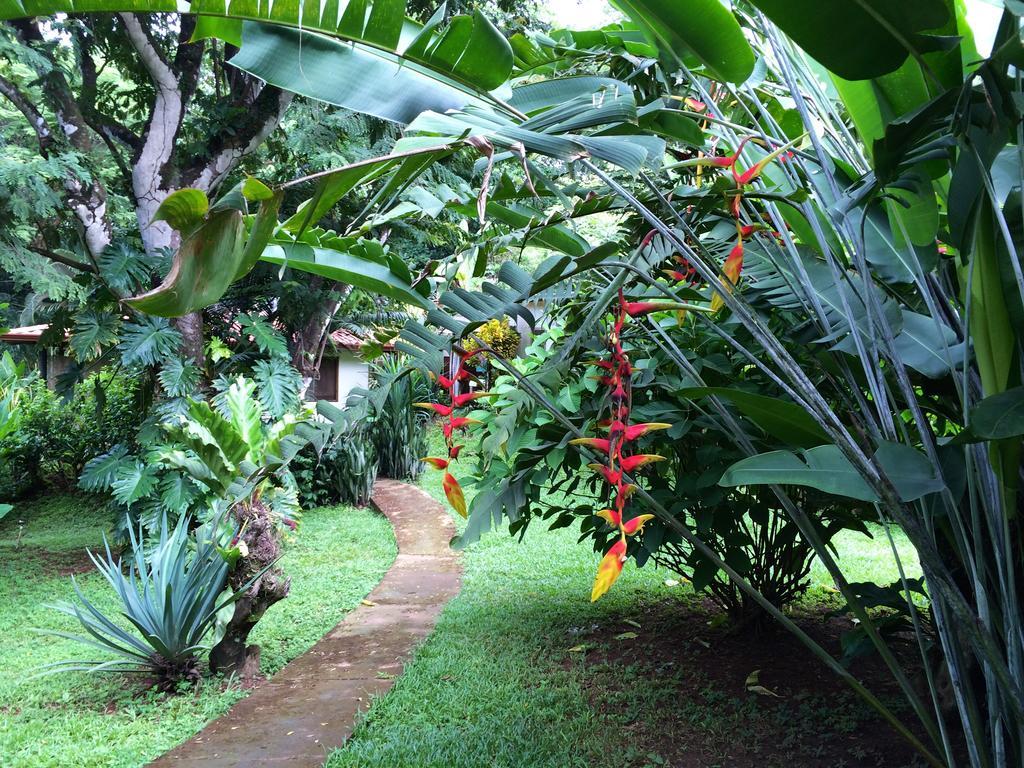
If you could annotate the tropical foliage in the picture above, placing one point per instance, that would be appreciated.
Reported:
(171, 593)
(847, 226)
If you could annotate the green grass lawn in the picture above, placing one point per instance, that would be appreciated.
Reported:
(337, 557)
(503, 681)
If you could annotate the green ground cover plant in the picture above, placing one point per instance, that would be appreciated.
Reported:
(338, 555)
(499, 682)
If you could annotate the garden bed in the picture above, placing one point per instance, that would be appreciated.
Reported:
(338, 556)
(523, 671)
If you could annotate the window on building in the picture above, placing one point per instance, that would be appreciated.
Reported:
(326, 386)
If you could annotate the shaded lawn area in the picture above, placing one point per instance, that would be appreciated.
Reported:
(523, 671)
(338, 556)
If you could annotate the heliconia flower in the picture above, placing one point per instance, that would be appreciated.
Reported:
(460, 400)
(453, 452)
(722, 161)
(676, 275)
(749, 229)
(638, 308)
(731, 269)
(609, 569)
(458, 422)
(734, 205)
(636, 524)
(453, 491)
(629, 463)
(734, 263)
(611, 476)
(612, 517)
(694, 105)
(438, 408)
(435, 462)
(633, 431)
(597, 443)
(625, 491)
(755, 170)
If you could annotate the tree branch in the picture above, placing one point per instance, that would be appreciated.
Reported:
(35, 118)
(86, 198)
(153, 61)
(229, 146)
(67, 262)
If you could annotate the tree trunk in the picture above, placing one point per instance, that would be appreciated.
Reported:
(233, 654)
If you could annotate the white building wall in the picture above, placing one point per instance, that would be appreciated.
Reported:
(352, 372)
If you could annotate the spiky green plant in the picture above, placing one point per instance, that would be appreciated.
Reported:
(170, 593)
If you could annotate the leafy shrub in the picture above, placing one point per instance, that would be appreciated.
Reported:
(171, 595)
(344, 474)
(203, 458)
(399, 431)
(56, 437)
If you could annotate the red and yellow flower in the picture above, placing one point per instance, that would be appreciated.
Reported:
(449, 427)
(618, 462)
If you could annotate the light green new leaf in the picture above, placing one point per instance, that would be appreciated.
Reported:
(246, 417)
(183, 209)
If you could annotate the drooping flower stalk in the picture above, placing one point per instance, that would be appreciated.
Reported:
(450, 427)
(617, 379)
(733, 265)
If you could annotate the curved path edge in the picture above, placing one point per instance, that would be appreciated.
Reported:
(310, 706)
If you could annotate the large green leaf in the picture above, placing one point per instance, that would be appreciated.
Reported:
(828, 470)
(203, 268)
(469, 54)
(531, 98)
(782, 419)
(997, 417)
(94, 331)
(929, 346)
(705, 27)
(211, 257)
(365, 80)
(346, 266)
(17, 9)
(332, 185)
(858, 39)
(548, 133)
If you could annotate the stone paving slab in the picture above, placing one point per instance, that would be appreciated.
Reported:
(309, 708)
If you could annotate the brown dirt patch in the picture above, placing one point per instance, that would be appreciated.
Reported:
(71, 562)
(679, 688)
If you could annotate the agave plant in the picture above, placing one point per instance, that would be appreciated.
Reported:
(170, 593)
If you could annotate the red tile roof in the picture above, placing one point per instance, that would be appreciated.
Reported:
(345, 339)
(26, 334)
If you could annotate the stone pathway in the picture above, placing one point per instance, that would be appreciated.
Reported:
(308, 708)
